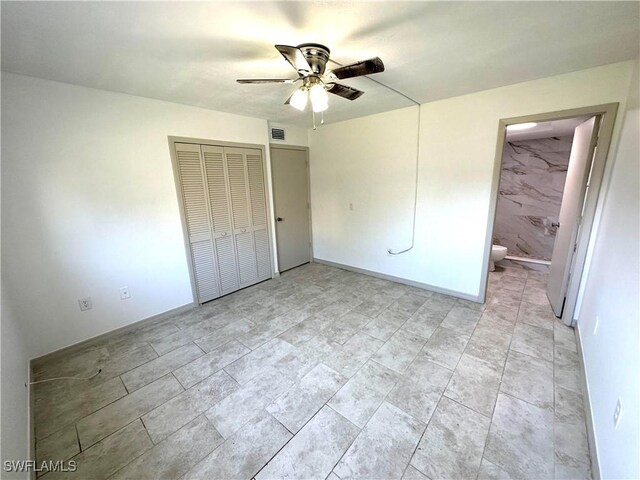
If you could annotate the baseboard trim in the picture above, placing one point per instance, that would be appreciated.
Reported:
(593, 451)
(392, 278)
(88, 343)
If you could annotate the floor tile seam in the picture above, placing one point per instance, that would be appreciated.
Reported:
(552, 410)
(159, 356)
(138, 417)
(488, 417)
(74, 422)
(486, 439)
(440, 400)
(114, 433)
(360, 430)
(202, 354)
(293, 435)
(403, 411)
(385, 341)
(104, 364)
(224, 440)
(422, 436)
(530, 355)
(155, 445)
(493, 410)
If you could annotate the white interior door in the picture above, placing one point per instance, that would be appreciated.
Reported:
(584, 142)
(291, 201)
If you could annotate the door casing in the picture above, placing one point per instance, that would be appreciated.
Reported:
(185, 233)
(608, 112)
(276, 146)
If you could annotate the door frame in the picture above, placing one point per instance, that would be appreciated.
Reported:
(591, 201)
(183, 219)
(276, 146)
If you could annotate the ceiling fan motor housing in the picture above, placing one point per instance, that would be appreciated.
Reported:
(317, 55)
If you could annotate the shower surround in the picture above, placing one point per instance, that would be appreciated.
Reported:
(531, 185)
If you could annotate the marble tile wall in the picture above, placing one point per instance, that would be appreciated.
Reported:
(530, 194)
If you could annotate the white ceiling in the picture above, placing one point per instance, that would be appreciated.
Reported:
(191, 53)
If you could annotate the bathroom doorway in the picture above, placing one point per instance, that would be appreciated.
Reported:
(547, 178)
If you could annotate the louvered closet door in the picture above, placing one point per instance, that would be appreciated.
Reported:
(194, 199)
(220, 207)
(258, 198)
(241, 215)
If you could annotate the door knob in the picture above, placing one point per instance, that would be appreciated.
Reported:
(279, 219)
(555, 224)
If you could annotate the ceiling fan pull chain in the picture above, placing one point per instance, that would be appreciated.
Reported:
(313, 114)
(322, 118)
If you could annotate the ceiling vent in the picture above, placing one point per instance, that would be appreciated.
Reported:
(277, 134)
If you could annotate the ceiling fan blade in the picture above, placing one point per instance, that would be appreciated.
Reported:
(364, 67)
(295, 57)
(344, 91)
(266, 80)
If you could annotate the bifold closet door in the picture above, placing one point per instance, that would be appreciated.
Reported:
(225, 210)
(258, 203)
(197, 216)
(220, 207)
(236, 159)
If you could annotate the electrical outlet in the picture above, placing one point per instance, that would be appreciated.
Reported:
(617, 413)
(596, 325)
(351, 207)
(85, 304)
(124, 293)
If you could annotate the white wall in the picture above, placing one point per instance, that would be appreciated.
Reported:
(89, 205)
(14, 396)
(370, 162)
(611, 293)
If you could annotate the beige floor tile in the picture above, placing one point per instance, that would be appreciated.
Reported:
(118, 414)
(110, 454)
(176, 455)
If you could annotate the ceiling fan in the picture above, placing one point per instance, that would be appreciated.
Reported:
(310, 61)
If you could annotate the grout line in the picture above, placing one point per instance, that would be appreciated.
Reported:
(75, 426)
(306, 300)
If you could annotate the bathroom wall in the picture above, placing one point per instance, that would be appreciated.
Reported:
(531, 185)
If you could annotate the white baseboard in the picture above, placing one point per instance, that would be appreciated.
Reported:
(412, 283)
(104, 336)
(588, 413)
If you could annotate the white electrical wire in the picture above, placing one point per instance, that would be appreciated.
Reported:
(64, 378)
(415, 197)
(415, 194)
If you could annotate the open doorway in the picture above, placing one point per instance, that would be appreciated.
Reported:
(548, 173)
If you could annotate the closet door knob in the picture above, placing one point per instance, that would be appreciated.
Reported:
(279, 219)
(555, 224)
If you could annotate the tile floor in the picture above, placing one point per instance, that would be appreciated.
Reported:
(324, 373)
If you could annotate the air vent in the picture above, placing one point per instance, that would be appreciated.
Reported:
(277, 134)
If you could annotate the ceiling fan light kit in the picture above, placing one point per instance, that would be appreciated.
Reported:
(310, 61)
(299, 99)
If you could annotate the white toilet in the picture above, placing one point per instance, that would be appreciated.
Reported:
(498, 252)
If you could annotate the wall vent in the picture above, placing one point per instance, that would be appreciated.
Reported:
(277, 134)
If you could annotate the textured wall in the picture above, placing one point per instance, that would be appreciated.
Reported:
(531, 184)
